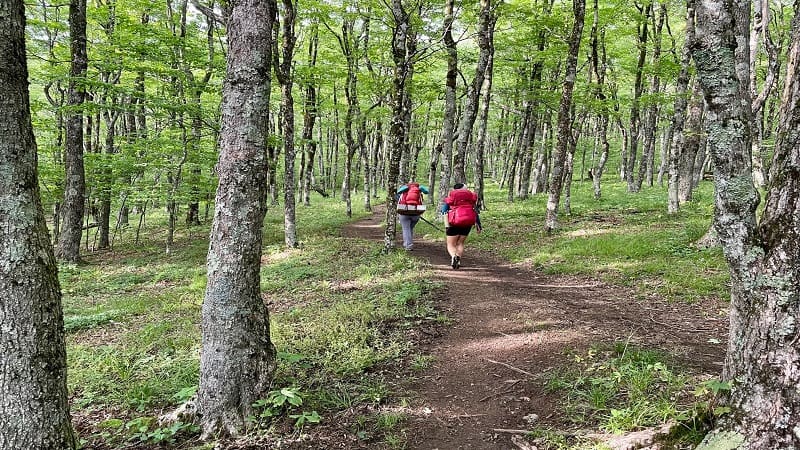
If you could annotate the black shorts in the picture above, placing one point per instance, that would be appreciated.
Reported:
(457, 231)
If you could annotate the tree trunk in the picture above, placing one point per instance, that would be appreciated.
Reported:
(763, 357)
(651, 116)
(69, 239)
(403, 50)
(448, 121)
(34, 411)
(283, 72)
(237, 360)
(470, 111)
(310, 114)
(693, 136)
(635, 124)
(599, 66)
(483, 117)
(564, 123)
(679, 117)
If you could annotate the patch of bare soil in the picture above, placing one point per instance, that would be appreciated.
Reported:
(511, 327)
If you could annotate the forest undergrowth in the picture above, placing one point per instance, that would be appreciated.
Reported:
(342, 315)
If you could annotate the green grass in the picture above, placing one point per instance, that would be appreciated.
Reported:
(625, 239)
(339, 307)
(623, 388)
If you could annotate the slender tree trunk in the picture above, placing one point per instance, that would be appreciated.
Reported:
(652, 113)
(237, 360)
(283, 71)
(34, 411)
(693, 136)
(599, 47)
(483, 118)
(470, 111)
(638, 87)
(448, 121)
(309, 119)
(69, 239)
(679, 118)
(403, 50)
(564, 125)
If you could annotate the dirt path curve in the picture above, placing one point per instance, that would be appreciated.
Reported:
(511, 326)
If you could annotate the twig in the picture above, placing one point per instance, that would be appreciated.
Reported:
(515, 369)
(512, 431)
(565, 286)
(510, 388)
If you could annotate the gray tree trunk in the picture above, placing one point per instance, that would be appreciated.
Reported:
(763, 354)
(403, 50)
(449, 119)
(564, 122)
(283, 72)
(600, 65)
(69, 239)
(652, 113)
(692, 140)
(483, 118)
(34, 411)
(679, 116)
(760, 30)
(629, 158)
(470, 111)
(310, 114)
(237, 358)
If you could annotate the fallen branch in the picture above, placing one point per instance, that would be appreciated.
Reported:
(515, 369)
(564, 286)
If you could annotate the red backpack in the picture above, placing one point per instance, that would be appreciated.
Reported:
(462, 208)
(413, 196)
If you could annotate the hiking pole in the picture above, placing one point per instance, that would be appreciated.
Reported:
(431, 224)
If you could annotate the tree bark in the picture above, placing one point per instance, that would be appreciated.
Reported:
(285, 76)
(652, 113)
(470, 110)
(34, 411)
(564, 123)
(763, 356)
(448, 121)
(599, 47)
(679, 116)
(310, 114)
(629, 158)
(403, 50)
(237, 360)
(483, 117)
(69, 239)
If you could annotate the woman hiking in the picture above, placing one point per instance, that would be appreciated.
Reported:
(461, 216)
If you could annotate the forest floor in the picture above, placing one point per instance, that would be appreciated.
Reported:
(511, 328)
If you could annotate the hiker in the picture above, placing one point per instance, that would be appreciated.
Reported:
(461, 216)
(410, 207)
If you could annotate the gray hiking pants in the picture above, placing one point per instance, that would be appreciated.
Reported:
(408, 223)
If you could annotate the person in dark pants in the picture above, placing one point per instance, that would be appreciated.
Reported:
(461, 217)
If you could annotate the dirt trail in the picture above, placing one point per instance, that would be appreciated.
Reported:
(512, 326)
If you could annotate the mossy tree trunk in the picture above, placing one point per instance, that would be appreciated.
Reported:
(34, 412)
(403, 52)
(69, 239)
(237, 360)
(564, 117)
(763, 359)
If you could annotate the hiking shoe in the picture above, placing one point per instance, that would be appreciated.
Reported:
(454, 262)
(457, 262)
